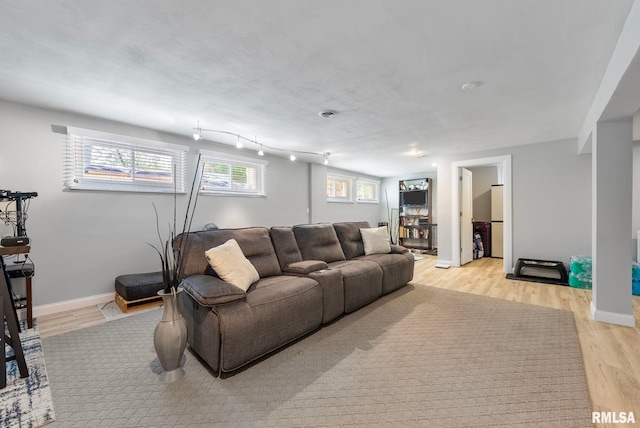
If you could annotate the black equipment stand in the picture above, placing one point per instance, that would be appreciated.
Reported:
(8, 312)
(8, 315)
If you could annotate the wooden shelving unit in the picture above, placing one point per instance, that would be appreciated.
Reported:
(416, 230)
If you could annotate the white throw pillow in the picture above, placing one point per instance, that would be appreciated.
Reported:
(376, 240)
(231, 265)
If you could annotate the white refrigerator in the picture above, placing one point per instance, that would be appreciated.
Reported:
(497, 214)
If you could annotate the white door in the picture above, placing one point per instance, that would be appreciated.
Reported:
(466, 216)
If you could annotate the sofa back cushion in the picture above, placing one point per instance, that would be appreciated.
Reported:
(318, 242)
(254, 242)
(284, 243)
(228, 261)
(350, 237)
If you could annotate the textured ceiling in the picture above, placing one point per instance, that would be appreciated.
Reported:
(392, 70)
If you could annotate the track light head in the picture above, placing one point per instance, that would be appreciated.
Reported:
(198, 134)
(292, 157)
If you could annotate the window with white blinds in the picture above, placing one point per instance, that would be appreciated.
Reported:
(224, 174)
(97, 160)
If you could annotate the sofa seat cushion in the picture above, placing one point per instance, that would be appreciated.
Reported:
(362, 282)
(397, 269)
(277, 310)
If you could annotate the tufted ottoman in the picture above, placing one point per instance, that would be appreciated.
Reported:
(138, 290)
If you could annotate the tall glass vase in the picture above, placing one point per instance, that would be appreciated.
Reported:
(170, 338)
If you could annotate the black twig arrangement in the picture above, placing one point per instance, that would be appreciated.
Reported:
(171, 257)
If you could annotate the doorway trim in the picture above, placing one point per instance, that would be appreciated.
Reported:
(498, 161)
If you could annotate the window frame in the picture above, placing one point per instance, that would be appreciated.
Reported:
(233, 161)
(368, 181)
(78, 150)
(348, 180)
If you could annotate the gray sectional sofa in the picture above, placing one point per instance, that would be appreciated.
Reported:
(309, 275)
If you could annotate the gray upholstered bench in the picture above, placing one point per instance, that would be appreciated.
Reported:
(138, 290)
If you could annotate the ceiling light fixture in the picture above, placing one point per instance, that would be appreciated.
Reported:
(197, 135)
(260, 152)
(470, 85)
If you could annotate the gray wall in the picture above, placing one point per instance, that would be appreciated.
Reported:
(82, 240)
(483, 178)
(551, 200)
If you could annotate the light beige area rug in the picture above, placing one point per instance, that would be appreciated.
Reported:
(422, 357)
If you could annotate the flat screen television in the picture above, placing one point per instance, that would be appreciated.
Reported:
(413, 197)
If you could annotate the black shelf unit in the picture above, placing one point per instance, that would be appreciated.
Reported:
(416, 229)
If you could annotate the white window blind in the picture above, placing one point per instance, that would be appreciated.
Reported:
(368, 190)
(97, 160)
(339, 188)
(225, 174)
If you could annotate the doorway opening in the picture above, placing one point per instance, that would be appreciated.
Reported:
(503, 163)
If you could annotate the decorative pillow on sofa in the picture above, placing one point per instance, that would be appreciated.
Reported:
(375, 240)
(231, 265)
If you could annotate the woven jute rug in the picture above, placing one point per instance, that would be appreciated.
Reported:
(26, 402)
(421, 356)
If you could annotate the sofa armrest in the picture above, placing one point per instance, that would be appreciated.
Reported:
(305, 267)
(210, 291)
(398, 249)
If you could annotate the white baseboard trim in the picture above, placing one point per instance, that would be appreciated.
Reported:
(443, 264)
(612, 317)
(69, 305)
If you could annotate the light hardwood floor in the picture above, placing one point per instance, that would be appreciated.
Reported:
(611, 353)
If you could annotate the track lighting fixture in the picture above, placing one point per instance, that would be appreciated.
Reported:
(197, 135)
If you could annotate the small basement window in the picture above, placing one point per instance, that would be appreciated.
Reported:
(97, 160)
(339, 188)
(225, 174)
(368, 190)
